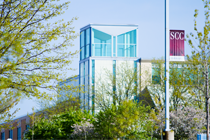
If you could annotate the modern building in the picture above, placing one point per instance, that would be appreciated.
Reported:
(105, 48)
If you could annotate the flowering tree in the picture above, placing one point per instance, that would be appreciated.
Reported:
(84, 130)
(186, 122)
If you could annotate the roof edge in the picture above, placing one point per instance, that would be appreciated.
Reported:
(93, 24)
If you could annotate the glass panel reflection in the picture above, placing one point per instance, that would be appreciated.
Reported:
(101, 45)
(82, 37)
(129, 40)
(88, 36)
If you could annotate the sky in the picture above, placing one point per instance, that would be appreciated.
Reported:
(147, 14)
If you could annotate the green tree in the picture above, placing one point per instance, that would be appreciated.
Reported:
(181, 90)
(54, 107)
(200, 58)
(127, 120)
(31, 59)
(63, 101)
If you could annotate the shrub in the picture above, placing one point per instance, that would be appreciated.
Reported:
(59, 126)
(127, 120)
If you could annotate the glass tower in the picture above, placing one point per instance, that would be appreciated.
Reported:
(101, 45)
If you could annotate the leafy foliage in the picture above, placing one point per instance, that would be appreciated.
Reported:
(58, 126)
(58, 106)
(199, 60)
(30, 56)
(113, 87)
(127, 120)
(180, 85)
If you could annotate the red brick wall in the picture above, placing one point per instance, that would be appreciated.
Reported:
(6, 134)
(23, 127)
(15, 131)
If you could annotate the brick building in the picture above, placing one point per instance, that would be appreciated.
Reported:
(18, 127)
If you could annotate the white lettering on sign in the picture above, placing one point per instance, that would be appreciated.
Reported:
(177, 35)
(177, 58)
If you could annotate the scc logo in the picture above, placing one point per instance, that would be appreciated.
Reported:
(177, 35)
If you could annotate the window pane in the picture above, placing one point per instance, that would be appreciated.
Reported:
(88, 36)
(130, 50)
(19, 133)
(103, 49)
(121, 39)
(120, 50)
(84, 72)
(93, 71)
(108, 50)
(114, 46)
(93, 82)
(82, 39)
(11, 134)
(93, 50)
(27, 126)
(131, 37)
(87, 51)
(83, 53)
(100, 37)
(81, 69)
(129, 40)
(98, 49)
(3, 136)
(155, 74)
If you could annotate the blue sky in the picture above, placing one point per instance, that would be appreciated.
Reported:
(148, 14)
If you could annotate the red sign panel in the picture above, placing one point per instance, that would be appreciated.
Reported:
(176, 42)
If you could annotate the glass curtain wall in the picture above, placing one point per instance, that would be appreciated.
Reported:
(82, 82)
(85, 44)
(86, 80)
(126, 44)
(93, 85)
(114, 46)
(101, 43)
(156, 73)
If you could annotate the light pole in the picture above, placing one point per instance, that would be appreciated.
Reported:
(167, 65)
(169, 135)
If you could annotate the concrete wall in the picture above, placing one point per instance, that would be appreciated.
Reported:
(145, 73)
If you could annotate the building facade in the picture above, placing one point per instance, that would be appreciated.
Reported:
(104, 47)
